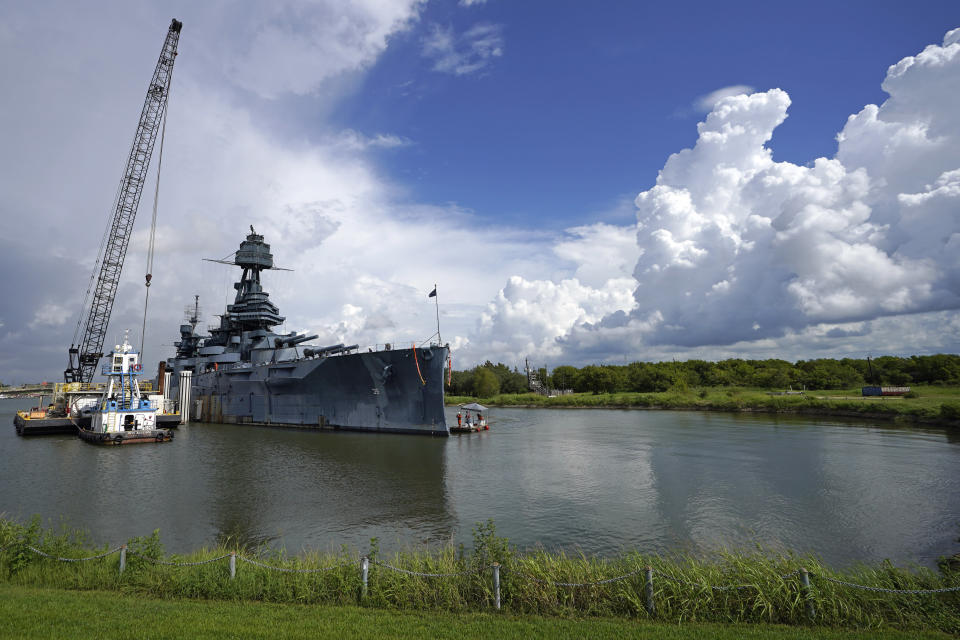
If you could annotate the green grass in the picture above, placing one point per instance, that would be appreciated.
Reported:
(528, 582)
(931, 404)
(50, 613)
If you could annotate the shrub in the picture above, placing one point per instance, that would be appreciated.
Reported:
(950, 411)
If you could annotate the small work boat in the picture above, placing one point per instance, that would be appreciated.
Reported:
(467, 422)
(123, 415)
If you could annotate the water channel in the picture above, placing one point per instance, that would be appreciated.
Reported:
(599, 481)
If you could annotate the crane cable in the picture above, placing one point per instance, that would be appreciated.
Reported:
(84, 312)
(153, 221)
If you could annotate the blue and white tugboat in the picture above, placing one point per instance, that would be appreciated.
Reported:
(124, 415)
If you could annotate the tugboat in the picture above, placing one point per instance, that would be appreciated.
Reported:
(123, 415)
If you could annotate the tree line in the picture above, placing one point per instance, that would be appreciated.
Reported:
(489, 379)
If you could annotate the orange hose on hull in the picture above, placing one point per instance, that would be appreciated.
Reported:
(418, 364)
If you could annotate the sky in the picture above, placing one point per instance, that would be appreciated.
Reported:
(583, 182)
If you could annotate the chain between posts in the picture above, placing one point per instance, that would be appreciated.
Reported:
(883, 590)
(580, 584)
(732, 587)
(47, 555)
(423, 575)
(177, 564)
(291, 570)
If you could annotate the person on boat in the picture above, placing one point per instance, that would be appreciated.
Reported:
(459, 419)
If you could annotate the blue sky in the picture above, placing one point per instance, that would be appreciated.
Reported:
(586, 182)
(586, 101)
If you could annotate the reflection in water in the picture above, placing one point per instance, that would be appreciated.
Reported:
(325, 488)
(596, 480)
(602, 481)
(236, 533)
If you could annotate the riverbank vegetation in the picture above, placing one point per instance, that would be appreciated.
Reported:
(655, 377)
(768, 592)
(816, 387)
(938, 405)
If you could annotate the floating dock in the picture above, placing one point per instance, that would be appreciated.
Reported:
(41, 425)
(66, 414)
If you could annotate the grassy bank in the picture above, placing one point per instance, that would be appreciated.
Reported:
(932, 405)
(50, 613)
(770, 592)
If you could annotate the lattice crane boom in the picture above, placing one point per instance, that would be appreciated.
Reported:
(85, 354)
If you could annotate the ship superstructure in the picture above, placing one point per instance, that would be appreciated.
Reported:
(246, 373)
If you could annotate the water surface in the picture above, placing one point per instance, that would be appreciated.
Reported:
(593, 480)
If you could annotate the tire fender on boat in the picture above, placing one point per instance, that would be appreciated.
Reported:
(118, 439)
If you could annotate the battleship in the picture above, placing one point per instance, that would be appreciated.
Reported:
(244, 372)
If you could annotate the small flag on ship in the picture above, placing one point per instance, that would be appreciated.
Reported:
(433, 294)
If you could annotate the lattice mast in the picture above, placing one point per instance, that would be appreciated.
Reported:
(85, 354)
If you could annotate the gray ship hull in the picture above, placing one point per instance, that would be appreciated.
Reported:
(398, 391)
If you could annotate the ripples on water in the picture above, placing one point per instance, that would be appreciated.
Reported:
(599, 481)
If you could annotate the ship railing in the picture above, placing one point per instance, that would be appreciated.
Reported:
(399, 345)
(61, 388)
(388, 346)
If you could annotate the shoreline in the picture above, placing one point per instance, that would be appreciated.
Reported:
(936, 412)
(884, 417)
(533, 582)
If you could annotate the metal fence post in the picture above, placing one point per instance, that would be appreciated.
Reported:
(233, 565)
(651, 607)
(364, 572)
(496, 585)
(807, 594)
(123, 557)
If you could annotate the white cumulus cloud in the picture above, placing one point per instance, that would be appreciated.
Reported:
(735, 244)
(737, 251)
(707, 102)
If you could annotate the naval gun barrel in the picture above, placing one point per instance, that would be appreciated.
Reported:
(343, 349)
(289, 341)
(319, 351)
